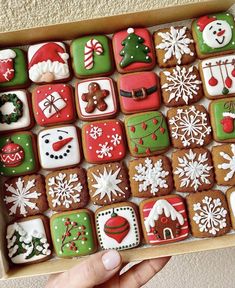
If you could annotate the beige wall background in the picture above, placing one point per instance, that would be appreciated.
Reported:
(205, 270)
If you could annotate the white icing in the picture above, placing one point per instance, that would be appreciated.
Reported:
(229, 163)
(96, 132)
(190, 126)
(219, 74)
(175, 43)
(92, 46)
(7, 54)
(52, 104)
(160, 207)
(23, 121)
(104, 150)
(72, 158)
(232, 202)
(193, 169)
(210, 215)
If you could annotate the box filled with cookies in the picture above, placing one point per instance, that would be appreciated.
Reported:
(117, 136)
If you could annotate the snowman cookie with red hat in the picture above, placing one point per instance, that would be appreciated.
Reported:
(214, 34)
(48, 62)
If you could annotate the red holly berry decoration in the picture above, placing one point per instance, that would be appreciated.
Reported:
(12, 154)
(133, 129)
(140, 141)
(155, 121)
(228, 124)
(162, 130)
(154, 136)
(148, 151)
(144, 126)
(117, 227)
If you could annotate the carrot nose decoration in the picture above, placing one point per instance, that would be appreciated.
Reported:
(220, 33)
(60, 144)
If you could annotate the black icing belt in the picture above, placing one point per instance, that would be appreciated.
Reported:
(138, 92)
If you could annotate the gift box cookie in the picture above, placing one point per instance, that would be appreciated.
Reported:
(230, 195)
(214, 34)
(103, 141)
(59, 147)
(18, 154)
(67, 189)
(147, 134)
(208, 214)
(117, 226)
(150, 176)
(218, 76)
(224, 158)
(73, 233)
(139, 92)
(15, 111)
(133, 50)
(174, 46)
(25, 196)
(189, 126)
(108, 183)
(164, 219)
(96, 99)
(192, 170)
(13, 69)
(53, 104)
(181, 85)
(92, 56)
(28, 240)
(48, 62)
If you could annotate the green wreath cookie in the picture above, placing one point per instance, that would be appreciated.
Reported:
(17, 112)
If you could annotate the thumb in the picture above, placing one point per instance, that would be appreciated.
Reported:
(95, 270)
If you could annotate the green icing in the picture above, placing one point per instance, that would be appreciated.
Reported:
(29, 162)
(79, 239)
(102, 63)
(147, 133)
(203, 47)
(18, 108)
(21, 70)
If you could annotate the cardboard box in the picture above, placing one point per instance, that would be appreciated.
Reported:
(109, 25)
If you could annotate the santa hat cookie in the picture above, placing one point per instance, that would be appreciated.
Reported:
(214, 34)
(48, 62)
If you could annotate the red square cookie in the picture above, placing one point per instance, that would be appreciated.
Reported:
(103, 141)
(139, 92)
(53, 104)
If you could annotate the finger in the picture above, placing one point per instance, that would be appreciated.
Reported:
(141, 273)
(96, 269)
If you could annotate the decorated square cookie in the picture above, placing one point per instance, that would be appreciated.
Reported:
(164, 219)
(208, 214)
(59, 147)
(53, 104)
(92, 56)
(28, 240)
(224, 164)
(73, 233)
(218, 76)
(25, 196)
(214, 34)
(150, 176)
(48, 62)
(222, 114)
(139, 92)
(147, 134)
(15, 111)
(192, 170)
(96, 99)
(103, 141)
(133, 50)
(18, 154)
(230, 195)
(67, 189)
(108, 183)
(181, 85)
(13, 69)
(189, 126)
(117, 226)
(174, 46)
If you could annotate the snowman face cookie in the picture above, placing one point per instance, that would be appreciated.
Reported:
(59, 147)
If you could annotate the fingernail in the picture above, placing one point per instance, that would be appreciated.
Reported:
(111, 260)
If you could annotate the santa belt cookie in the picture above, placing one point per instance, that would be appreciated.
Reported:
(139, 93)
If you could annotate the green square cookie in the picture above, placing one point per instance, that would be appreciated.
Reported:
(73, 233)
(91, 56)
(18, 154)
(147, 133)
(13, 65)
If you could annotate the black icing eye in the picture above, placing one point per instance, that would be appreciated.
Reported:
(214, 32)
(47, 141)
(220, 29)
(60, 137)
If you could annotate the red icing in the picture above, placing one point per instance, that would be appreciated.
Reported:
(213, 81)
(228, 124)
(228, 82)
(233, 72)
(203, 21)
(220, 33)
(60, 144)
(7, 72)
(12, 154)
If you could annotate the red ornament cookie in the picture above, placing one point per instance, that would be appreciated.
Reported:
(103, 141)
(53, 104)
(139, 92)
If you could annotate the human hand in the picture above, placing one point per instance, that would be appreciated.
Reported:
(102, 270)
